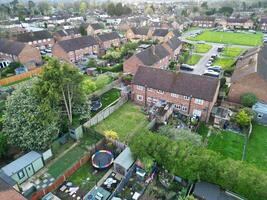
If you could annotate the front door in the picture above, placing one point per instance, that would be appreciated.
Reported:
(30, 170)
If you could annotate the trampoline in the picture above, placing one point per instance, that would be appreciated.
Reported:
(102, 159)
(96, 105)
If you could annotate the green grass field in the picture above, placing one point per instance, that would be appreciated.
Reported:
(202, 48)
(225, 63)
(228, 144)
(126, 121)
(232, 51)
(257, 147)
(193, 59)
(246, 39)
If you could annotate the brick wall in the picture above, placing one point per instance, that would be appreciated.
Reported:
(131, 65)
(184, 105)
(58, 52)
(29, 54)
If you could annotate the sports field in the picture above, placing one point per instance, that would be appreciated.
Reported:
(246, 39)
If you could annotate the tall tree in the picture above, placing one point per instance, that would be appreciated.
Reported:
(26, 124)
(83, 7)
(31, 6)
(60, 87)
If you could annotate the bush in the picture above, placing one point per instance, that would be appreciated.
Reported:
(3, 144)
(248, 99)
(115, 68)
(243, 117)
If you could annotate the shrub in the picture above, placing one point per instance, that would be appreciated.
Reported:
(115, 68)
(248, 99)
(243, 117)
(3, 144)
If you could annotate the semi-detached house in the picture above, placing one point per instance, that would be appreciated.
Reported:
(75, 49)
(155, 56)
(107, 40)
(192, 95)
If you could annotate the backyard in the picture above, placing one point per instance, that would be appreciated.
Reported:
(126, 121)
(257, 147)
(193, 59)
(227, 143)
(202, 48)
(246, 39)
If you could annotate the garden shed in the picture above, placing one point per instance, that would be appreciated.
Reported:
(261, 112)
(123, 162)
(24, 167)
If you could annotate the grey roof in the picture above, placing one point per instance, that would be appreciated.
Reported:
(237, 20)
(77, 43)
(204, 18)
(174, 43)
(33, 36)
(125, 159)
(260, 107)
(108, 36)
(160, 32)
(20, 163)
(96, 26)
(11, 47)
(152, 55)
(262, 63)
(140, 30)
(66, 32)
(210, 191)
(197, 86)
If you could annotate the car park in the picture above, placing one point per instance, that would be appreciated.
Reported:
(186, 67)
(214, 55)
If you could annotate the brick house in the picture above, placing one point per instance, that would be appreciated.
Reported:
(140, 33)
(107, 40)
(263, 24)
(94, 29)
(202, 21)
(173, 46)
(67, 34)
(162, 35)
(250, 76)
(191, 94)
(237, 23)
(20, 52)
(36, 39)
(75, 49)
(155, 56)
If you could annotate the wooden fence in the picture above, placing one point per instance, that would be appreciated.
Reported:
(105, 113)
(19, 77)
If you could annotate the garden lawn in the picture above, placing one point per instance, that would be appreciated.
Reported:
(257, 147)
(232, 51)
(193, 59)
(228, 144)
(202, 48)
(126, 121)
(246, 39)
(225, 63)
(81, 176)
(66, 161)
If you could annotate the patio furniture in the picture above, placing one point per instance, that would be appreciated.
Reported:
(63, 187)
(136, 196)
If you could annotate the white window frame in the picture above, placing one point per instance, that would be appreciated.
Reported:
(140, 87)
(197, 112)
(184, 108)
(174, 95)
(139, 97)
(150, 89)
(199, 101)
(186, 97)
(149, 99)
(160, 91)
(178, 106)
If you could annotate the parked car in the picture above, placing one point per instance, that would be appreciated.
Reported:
(186, 67)
(201, 42)
(208, 64)
(215, 68)
(213, 56)
(220, 49)
(48, 51)
(211, 73)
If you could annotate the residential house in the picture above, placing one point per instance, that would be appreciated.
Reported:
(107, 40)
(67, 34)
(75, 49)
(263, 24)
(36, 39)
(155, 56)
(94, 29)
(174, 46)
(7, 192)
(209, 191)
(261, 112)
(237, 23)
(24, 167)
(18, 51)
(192, 95)
(162, 35)
(140, 33)
(204, 22)
(250, 76)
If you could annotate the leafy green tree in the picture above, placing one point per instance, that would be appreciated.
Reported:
(83, 7)
(3, 144)
(26, 124)
(44, 7)
(92, 63)
(248, 99)
(243, 117)
(31, 6)
(60, 87)
(227, 11)
(102, 80)
(82, 30)
(89, 86)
